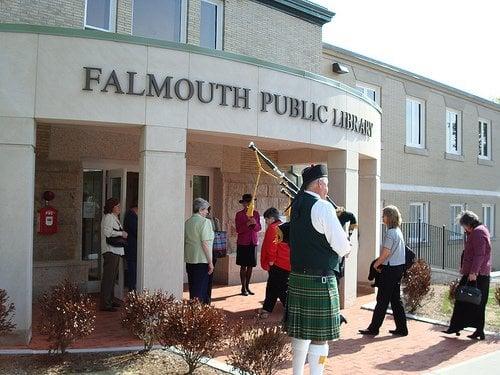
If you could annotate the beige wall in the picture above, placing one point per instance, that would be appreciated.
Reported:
(401, 167)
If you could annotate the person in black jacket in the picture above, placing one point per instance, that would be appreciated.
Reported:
(130, 226)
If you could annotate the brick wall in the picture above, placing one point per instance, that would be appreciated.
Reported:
(124, 17)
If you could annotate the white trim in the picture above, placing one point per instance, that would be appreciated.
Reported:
(488, 135)
(491, 226)
(409, 127)
(438, 190)
(112, 18)
(220, 22)
(454, 225)
(458, 115)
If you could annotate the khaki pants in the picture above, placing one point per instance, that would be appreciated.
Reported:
(110, 270)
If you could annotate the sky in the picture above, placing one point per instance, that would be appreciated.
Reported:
(455, 42)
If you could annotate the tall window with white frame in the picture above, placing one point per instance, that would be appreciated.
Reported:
(455, 227)
(419, 218)
(211, 24)
(415, 125)
(371, 91)
(484, 139)
(160, 19)
(100, 15)
(453, 132)
(489, 218)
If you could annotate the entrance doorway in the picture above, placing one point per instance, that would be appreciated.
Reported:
(199, 184)
(99, 184)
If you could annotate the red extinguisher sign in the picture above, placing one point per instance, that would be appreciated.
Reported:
(47, 220)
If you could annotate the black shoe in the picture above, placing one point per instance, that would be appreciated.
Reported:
(368, 332)
(477, 336)
(398, 332)
(117, 304)
(250, 292)
(342, 319)
(449, 332)
(244, 292)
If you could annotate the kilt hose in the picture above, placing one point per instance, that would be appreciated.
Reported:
(313, 311)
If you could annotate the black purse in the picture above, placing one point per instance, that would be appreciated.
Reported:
(116, 241)
(468, 294)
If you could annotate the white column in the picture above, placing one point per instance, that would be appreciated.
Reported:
(343, 186)
(17, 171)
(161, 209)
(369, 215)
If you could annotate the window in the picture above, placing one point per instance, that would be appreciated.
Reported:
(455, 227)
(415, 128)
(370, 91)
(453, 132)
(160, 19)
(211, 22)
(484, 139)
(489, 218)
(419, 218)
(100, 15)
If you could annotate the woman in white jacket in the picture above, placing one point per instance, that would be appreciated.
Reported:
(111, 227)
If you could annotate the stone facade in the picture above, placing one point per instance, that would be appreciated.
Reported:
(432, 166)
(124, 16)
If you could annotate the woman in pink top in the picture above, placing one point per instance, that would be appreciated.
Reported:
(247, 229)
(475, 270)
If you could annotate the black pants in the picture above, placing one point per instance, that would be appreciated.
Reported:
(198, 281)
(389, 291)
(468, 314)
(131, 274)
(277, 286)
(109, 273)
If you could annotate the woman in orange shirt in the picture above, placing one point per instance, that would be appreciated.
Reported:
(274, 258)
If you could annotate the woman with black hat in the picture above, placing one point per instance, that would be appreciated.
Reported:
(247, 228)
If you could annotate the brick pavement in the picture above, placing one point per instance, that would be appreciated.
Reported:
(426, 348)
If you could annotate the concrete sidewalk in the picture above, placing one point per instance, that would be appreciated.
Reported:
(484, 365)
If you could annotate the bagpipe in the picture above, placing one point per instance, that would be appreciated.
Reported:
(290, 189)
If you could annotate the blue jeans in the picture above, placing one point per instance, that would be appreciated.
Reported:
(198, 281)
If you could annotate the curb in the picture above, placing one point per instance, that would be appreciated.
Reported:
(371, 306)
(117, 349)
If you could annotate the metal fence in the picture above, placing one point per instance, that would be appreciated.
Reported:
(438, 246)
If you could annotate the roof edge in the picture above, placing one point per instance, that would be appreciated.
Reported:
(395, 70)
(303, 9)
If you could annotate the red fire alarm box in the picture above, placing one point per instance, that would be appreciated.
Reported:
(47, 220)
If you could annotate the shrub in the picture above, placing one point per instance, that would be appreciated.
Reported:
(196, 329)
(6, 309)
(66, 315)
(417, 283)
(497, 294)
(259, 350)
(143, 313)
(453, 290)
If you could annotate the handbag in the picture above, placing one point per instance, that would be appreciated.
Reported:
(468, 294)
(219, 247)
(116, 241)
(409, 257)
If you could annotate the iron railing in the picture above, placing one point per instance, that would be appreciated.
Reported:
(438, 246)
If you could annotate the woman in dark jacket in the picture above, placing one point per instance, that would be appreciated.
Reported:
(475, 270)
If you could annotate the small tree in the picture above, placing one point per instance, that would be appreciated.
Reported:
(143, 313)
(6, 313)
(259, 351)
(196, 329)
(66, 315)
(417, 283)
(497, 294)
(452, 291)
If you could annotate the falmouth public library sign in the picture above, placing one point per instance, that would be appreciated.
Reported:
(224, 94)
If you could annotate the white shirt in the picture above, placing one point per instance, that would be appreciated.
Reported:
(324, 219)
(110, 227)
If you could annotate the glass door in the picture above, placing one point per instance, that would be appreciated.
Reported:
(199, 184)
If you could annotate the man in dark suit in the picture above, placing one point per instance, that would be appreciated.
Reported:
(130, 226)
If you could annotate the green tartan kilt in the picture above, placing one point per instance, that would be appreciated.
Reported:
(313, 311)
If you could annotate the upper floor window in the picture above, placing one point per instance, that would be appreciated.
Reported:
(160, 19)
(100, 15)
(453, 132)
(455, 227)
(415, 126)
(211, 24)
(371, 91)
(489, 218)
(484, 139)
